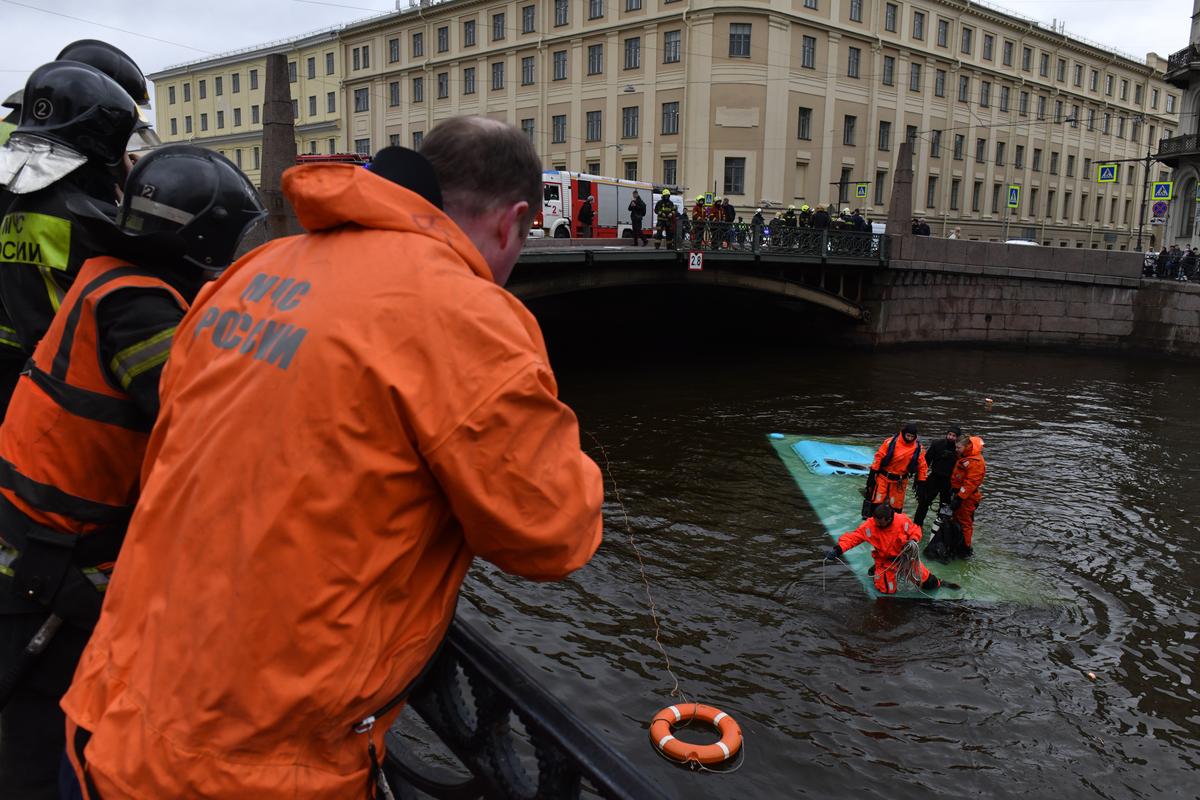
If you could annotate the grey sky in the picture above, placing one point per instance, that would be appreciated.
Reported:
(166, 32)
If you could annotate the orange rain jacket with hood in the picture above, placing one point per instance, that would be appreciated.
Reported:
(348, 418)
(886, 544)
(892, 481)
(965, 482)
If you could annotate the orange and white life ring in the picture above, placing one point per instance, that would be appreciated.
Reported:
(684, 752)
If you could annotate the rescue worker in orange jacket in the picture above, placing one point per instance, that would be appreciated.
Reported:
(895, 460)
(965, 481)
(349, 417)
(72, 443)
(890, 535)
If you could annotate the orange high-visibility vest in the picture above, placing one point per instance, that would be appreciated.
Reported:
(72, 443)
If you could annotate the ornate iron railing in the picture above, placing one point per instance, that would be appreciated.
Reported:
(1179, 145)
(468, 698)
(1182, 59)
(777, 238)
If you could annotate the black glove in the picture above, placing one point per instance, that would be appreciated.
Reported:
(955, 502)
(869, 489)
(834, 553)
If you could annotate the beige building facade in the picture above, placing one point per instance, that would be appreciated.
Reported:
(218, 103)
(769, 102)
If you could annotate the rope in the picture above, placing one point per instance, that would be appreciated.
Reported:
(675, 690)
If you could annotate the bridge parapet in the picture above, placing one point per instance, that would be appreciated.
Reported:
(925, 252)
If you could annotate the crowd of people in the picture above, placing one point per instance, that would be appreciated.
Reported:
(717, 225)
(237, 500)
(1171, 264)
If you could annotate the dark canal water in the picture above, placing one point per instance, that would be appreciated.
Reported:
(1094, 462)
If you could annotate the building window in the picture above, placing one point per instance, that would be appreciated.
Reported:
(955, 187)
(999, 154)
(808, 52)
(362, 99)
(844, 185)
(1027, 58)
(558, 128)
(669, 171)
(257, 157)
(253, 115)
(328, 71)
(560, 65)
(468, 80)
(670, 118)
(418, 90)
(853, 57)
(498, 27)
(443, 84)
(1061, 70)
(918, 26)
(633, 5)
(187, 124)
(735, 175)
(1093, 79)
(996, 198)
(980, 150)
(880, 180)
(417, 138)
(362, 146)
(418, 44)
(889, 17)
(931, 192)
(671, 40)
(235, 84)
(885, 135)
(943, 33)
(629, 122)
(631, 171)
(1066, 209)
(595, 9)
(312, 105)
(331, 102)
(595, 59)
(964, 88)
(443, 39)
(914, 77)
(1023, 103)
(910, 135)
(985, 94)
(527, 17)
(237, 154)
(1170, 104)
(633, 52)
(204, 86)
(1019, 157)
(1058, 110)
(856, 10)
(889, 71)
(1120, 127)
(171, 95)
(1070, 166)
(960, 144)
(1044, 65)
(935, 144)
(1037, 159)
(848, 130)
(1153, 96)
(527, 128)
(218, 86)
(560, 12)
(968, 40)
(469, 33)
(804, 124)
(593, 126)
(174, 127)
(989, 46)
(1108, 85)
(939, 83)
(204, 119)
(393, 140)
(187, 94)
(739, 40)
(1137, 94)
(497, 76)
(527, 71)
(1041, 107)
(1004, 92)
(1006, 54)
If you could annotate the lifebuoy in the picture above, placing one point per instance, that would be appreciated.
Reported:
(685, 752)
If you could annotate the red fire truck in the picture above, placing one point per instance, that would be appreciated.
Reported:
(564, 193)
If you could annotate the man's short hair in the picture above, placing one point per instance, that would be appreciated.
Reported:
(482, 163)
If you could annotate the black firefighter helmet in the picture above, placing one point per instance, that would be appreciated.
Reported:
(113, 62)
(189, 203)
(78, 106)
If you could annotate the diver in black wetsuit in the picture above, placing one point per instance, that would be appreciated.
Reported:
(940, 457)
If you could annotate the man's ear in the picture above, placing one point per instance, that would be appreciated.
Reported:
(509, 222)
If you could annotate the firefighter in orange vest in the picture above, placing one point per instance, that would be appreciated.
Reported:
(71, 446)
(349, 417)
(965, 481)
(895, 460)
(893, 537)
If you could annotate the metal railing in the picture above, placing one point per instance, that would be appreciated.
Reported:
(1179, 145)
(777, 238)
(468, 697)
(1181, 59)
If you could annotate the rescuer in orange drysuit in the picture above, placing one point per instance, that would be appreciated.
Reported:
(889, 533)
(349, 417)
(965, 481)
(896, 459)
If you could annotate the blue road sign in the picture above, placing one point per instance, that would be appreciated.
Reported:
(1014, 196)
(1161, 190)
(1106, 173)
(860, 191)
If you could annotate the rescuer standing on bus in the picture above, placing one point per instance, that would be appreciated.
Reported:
(72, 443)
(965, 483)
(78, 113)
(348, 418)
(895, 460)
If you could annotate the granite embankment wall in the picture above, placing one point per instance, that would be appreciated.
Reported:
(939, 290)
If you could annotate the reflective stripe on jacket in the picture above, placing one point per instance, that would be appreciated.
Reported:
(348, 417)
(72, 443)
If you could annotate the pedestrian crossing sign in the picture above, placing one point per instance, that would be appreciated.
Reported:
(708, 198)
(1014, 196)
(1106, 173)
(1161, 190)
(860, 191)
